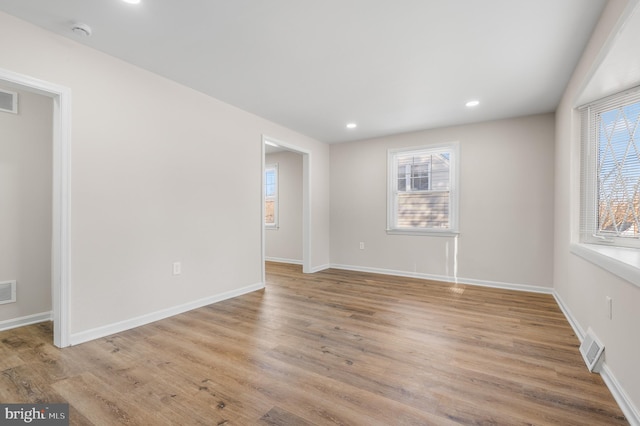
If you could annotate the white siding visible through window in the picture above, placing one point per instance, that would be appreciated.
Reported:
(422, 190)
(271, 195)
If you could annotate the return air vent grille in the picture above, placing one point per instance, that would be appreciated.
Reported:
(7, 292)
(591, 350)
(8, 101)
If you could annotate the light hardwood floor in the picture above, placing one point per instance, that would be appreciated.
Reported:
(333, 347)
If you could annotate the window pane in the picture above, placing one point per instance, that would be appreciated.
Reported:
(414, 172)
(269, 216)
(270, 190)
(440, 172)
(420, 175)
(403, 170)
(619, 171)
(402, 184)
(424, 210)
(271, 195)
(270, 183)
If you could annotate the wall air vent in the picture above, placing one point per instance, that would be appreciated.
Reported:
(8, 101)
(7, 292)
(591, 350)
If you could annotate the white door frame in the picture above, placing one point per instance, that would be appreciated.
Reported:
(306, 203)
(60, 249)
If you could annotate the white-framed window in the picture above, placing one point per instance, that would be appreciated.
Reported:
(271, 196)
(610, 176)
(422, 190)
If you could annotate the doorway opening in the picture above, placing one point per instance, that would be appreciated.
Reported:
(60, 210)
(273, 146)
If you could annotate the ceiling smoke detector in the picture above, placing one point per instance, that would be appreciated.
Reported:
(82, 30)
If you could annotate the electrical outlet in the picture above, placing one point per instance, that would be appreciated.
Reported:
(361, 246)
(609, 307)
(177, 268)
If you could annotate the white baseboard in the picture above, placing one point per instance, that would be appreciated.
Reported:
(296, 262)
(443, 278)
(569, 316)
(320, 268)
(283, 260)
(617, 391)
(96, 333)
(27, 320)
(628, 409)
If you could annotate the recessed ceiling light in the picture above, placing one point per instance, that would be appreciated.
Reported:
(352, 126)
(472, 104)
(131, 1)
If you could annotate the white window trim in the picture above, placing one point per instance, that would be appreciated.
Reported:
(623, 262)
(276, 197)
(453, 230)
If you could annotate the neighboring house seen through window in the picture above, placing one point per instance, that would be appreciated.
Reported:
(611, 171)
(422, 190)
(271, 196)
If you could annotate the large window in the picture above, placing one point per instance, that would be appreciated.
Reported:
(611, 171)
(271, 196)
(422, 192)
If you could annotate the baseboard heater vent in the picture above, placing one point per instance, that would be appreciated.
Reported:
(591, 350)
(7, 292)
(8, 101)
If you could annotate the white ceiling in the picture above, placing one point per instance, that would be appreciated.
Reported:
(389, 65)
(620, 67)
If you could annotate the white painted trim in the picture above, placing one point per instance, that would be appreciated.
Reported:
(443, 278)
(99, 332)
(263, 210)
(569, 316)
(628, 409)
(418, 231)
(282, 260)
(319, 268)
(60, 250)
(28, 320)
(307, 177)
(621, 261)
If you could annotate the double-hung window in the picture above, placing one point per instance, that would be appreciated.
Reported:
(422, 190)
(271, 196)
(611, 171)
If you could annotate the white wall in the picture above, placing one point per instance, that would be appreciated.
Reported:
(284, 244)
(25, 204)
(581, 286)
(160, 173)
(506, 205)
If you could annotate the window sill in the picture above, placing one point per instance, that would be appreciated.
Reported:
(431, 233)
(623, 262)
